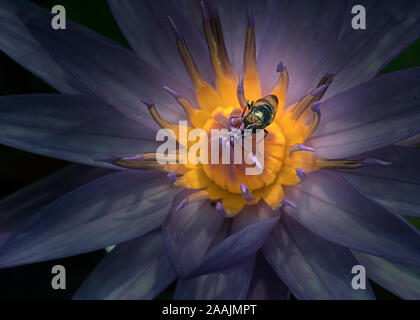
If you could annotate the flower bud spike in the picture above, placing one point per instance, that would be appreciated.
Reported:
(280, 67)
(173, 93)
(288, 203)
(149, 104)
(171, 177)
(326, 79)
(182, 205)
(220, 208)
(183, 102)
(300, 147)
(157, 117)
(247, 195)
(301, 174)
(319, 92)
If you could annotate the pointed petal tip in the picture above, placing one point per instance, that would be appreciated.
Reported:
(212, 10)
(330, 75)
(251, 20)
(175, 28)
(182, 205)
(208, 10)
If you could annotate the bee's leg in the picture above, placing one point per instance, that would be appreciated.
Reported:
(235, 124)
(243, 112)
(265, 134)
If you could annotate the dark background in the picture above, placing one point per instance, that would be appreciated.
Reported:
(34, 281)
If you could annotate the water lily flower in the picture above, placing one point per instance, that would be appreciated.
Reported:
(335, 185)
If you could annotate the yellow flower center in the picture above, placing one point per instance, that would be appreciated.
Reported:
(286, 158)
(222, 182)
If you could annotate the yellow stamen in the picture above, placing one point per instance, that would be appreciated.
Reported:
(282, 84)
(196, 196)
(150, 165)
(226, 77)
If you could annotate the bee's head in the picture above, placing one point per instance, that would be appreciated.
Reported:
(253, 119)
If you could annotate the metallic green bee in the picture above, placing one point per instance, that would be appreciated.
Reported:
(261, 114)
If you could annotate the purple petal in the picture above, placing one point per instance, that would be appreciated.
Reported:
(361, 54)
(136, 269)
(312, 267)
(329, 206)
(402, 280)
(200, 241)
(190, 232)
(396, 186)
(230, 285)
(70, 127)
(413, 141)
(19, 44)
(107, 211)
(373, 115)
(237, 246)
(113, 73)
(19, 206)
(137, 18)
(265, 284)
(233, 15)
(302, 34)
(251, 215)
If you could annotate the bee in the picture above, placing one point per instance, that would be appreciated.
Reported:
(260, 114)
